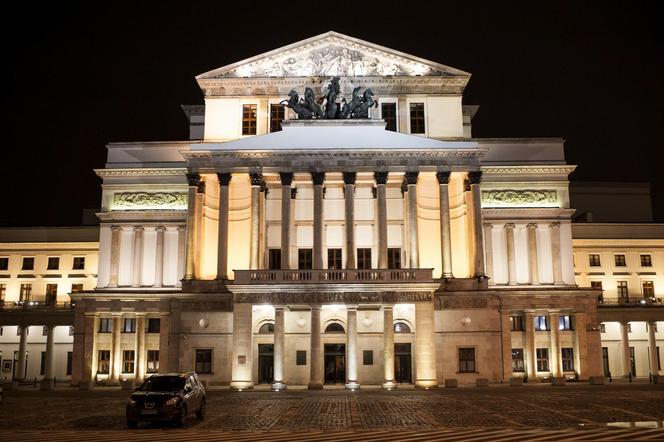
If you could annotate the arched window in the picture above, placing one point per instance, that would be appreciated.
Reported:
(401, 327)
(334, 327)
(268, 327)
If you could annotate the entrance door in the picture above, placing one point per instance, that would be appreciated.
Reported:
(335, 363)
(403, 373)
(265, 363)
(605, 361)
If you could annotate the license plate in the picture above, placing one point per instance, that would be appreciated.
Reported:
(148, 411)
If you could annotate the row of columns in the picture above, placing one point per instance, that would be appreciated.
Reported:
(49, 361)
(624, 347)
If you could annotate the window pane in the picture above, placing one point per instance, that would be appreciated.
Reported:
(204, 361)
(274, 259)
(53, 263)
(304, 257)
(364, 259)
(394, 258)
(248, 119)
(276, 117)
(389, 114)
(417, 118)
(28, 264)
(334, 259)
(646, 261)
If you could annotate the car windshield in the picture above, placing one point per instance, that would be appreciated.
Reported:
(163, 383)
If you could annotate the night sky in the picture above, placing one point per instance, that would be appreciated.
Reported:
(78, 78)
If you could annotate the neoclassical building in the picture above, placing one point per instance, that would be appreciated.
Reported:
(394, 249)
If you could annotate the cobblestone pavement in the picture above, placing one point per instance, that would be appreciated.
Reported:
(580, 408)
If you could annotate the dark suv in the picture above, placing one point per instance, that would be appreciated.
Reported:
(167, 397)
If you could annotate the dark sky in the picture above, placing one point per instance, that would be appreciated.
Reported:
(80, 77)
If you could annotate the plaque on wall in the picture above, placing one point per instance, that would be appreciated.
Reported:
(241, 359)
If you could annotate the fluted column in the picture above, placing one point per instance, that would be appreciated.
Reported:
(241, 378)
(445, 230)
(425, 346)
(319, 180)
(222, 236)
(511, 260)
(381, 217)
(316, 356)
(413, 246)
(351, 347)
(388, 346)
(182, 246)
(22, 348)
(278, 348)
(286, 182)
(116, 232)
(116, 356)
(159, 257)
(349, 202)
(140, 354)
(555, 358)
(193, 180)
(531, 352)
(474, 179)
(652, 348)
(137, 257)
(624, 340)
(49, 360)
(555, 254)
(533, 272)
(488, 249)
(254, 252)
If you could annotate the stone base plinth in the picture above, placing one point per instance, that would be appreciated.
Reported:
(451, 383)
(516, 382)
(597, 380)
(389, 385)
(241, 385)
(657, 379)
(481, 382)
(315, 386)
(276, 386)
(558, 381)
(352, 385)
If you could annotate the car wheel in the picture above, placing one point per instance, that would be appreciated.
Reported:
(179, 421)
(132, 423)
(200, 414)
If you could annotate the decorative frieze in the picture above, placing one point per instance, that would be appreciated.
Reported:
(519, 198)
(150, 201)
(284, 298)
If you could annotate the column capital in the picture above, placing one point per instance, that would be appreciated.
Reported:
(256, 179)
(286, 178)
(554, 225)
(474, 177)
(531, 226)
(388, 307)
(116, 228)
(138, 228)
(160, 228)
(410, 178)
(224, 178)
(279, 307)
(443, 176)
(487, 225)
(181, 228)
(318, 178)
(315, 306)
(351, 307)
(193, 179)
(510, 226)
(381, 177)
(350, 177)
(200, 188)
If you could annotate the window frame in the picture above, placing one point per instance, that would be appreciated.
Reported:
(565, 323)
(412, 118)
(151, 329)
(334, 258)
(128, 363)
(567, 360)
(520, 361)
(274, 259)
(394, 103)
(648, 292)
(205, 369)
(648, 261)
(362, 252)
(25, 261)
(517, 323)
(129, 325)
(78, 263)
(109, 325)
(249, 120)
(620, 260)
(277, 120)
(538, 323)
(592, 262)
(542, 358)
(622, 289)
(52, 259)
(152, 365)
(305, 258)
(467, 365)
(393, 254)
(100, 361)
(4, 263)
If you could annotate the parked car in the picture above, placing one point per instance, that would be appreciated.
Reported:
(167, 397)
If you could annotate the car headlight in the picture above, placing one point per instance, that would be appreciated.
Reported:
(171, 401)
(131, 402)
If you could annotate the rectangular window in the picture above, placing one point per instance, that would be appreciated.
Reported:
(153, 361)
(602, 328)
(75, 288)
(648, 289)
(277, 113)
(646, 261)
(28, 264)
(364, 259)
(517, 323)
(26, 290)
(128, 361)
(70, 359)
(596, 284)
(517, 360)
(105, 325)
(620, 260)
(51, 294)
(466, 360)
(42, 364)
(542, 323)
(565, 322)
(44, 330)
(593, 260)
(248, 119)
(53, 263)
(103, 361)
(4, 263)
(3, 292)
(300, 357)
(417, 118)
(622, 289)
(304, 259)
(334, 259)
(389, 113)
(204, 360)
(274, 259)
(367, 357)
(154, 324)
(394, 258)
(79, 263)
(567, 358)
(542, 359)
(129, 325)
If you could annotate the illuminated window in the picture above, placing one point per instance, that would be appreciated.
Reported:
(26, 290)
(334, 259)
(598, 285)
(266, 328)
(517, 360)
(466, 360)
(542, 359)
(153, 361)
(103, 361)
(304, 259)
(105, 325)
(154, 325)
(129, 325)
(53, 263)
(28, 264)
(542, 323)
(276, 117)
(401, 327)
(567, 358)
(4, 263)
(622, 289)
(75, 288)
(79, 263)
(593, 260)
(51, 293)
(394, 258)
(128, 361)
(517, 323)
(274, 259)
(646, 261)
(3, 291)
(364, 259)
(417, 118)
(565, 322)
(620, 260)
(389, 114)
(335, 327)
(648, 289)
(248, 119)
(203, 360)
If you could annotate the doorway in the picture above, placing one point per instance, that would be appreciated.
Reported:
(335, 363)
(265, 363)
(403, 372)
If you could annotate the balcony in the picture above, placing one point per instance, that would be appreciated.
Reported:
(332, 276)
(36, 305)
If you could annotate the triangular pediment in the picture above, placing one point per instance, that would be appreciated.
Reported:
(332, 54)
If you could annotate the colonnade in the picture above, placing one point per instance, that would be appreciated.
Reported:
(625, 352)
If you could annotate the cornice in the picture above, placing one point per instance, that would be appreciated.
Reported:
(528, 170)
(532, 214)
(139, 172)
(143, 215)
(337, 288)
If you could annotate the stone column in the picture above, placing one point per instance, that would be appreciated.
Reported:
(193, 179)
(254, 252)
(164, 334)
(116, 232)
(488, 249)
(173, 361)
(381, 217)
(319, 179)
(278, 348)
(511, 259)
(116, 353)
(286, 182)
(555, 254)
(351, 348)
(90, 328)
(316, 356)
(533, 272)
(222, 236)
(137, 257)
(506, 327)
(652, 348)
(445, 230)
(140, 347)
(474, 179)
(425, 346)
(349, 202)
(47, 382)
(413, 246)
(531, 351)
(159, 259)
(241, 377)
(22, 349)
(388, 346)
(626, 365)
(581, 345)
(555, 358)
(199, 228)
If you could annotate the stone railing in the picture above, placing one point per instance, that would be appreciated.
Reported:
(632, 302)
(332, 276)
(36, 305)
